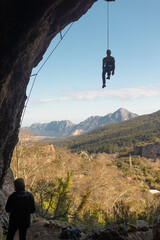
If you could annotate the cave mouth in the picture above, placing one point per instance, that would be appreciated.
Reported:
(27, 30)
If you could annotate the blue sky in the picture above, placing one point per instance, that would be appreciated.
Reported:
(70, 86)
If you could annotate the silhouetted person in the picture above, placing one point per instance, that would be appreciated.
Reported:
(108, 66)
(20, 205)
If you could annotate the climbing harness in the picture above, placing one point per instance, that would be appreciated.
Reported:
(35, 74)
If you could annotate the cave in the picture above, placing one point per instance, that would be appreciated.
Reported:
(27, 28)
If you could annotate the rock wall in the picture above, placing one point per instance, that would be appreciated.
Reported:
(7, 189)
(117, 232)
(156, 229)
(27, 28)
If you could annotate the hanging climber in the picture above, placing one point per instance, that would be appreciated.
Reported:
(108, 66)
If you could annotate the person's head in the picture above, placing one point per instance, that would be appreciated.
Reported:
(108, 52)
(19, 184)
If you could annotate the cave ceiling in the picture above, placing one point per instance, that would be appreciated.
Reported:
(26, 30)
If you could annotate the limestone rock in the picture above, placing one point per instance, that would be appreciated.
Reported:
(156, 229)
(114, 232)
(42, 229)
(117, 232)
(7, 189)
(0, 230)
(141, 235)
(142, 225)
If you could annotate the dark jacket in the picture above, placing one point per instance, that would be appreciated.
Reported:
(20, 205)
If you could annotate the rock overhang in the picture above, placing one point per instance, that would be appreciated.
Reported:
(27, 28)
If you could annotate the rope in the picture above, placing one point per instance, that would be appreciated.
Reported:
(35, 74)
(107, 25)
(61, 35)
(27, 100)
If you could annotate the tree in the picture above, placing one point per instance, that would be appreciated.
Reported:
(63, 198)
(53, 197)
(30, 158)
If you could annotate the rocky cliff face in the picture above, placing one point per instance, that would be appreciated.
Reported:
(7, 189)
(27, 28)
(52, 129)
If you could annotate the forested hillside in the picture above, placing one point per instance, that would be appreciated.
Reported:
(88, 189)
(118, 136)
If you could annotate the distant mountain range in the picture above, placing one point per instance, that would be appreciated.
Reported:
(61, 129)
(117, 137)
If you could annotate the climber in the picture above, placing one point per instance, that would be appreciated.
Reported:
(108, 66)
(20, 205)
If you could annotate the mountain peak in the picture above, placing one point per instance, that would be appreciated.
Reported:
(122, 110)
(66, 128)
(123, 114)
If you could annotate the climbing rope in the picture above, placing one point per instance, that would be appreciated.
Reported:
(107, 25)
(36, 74)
